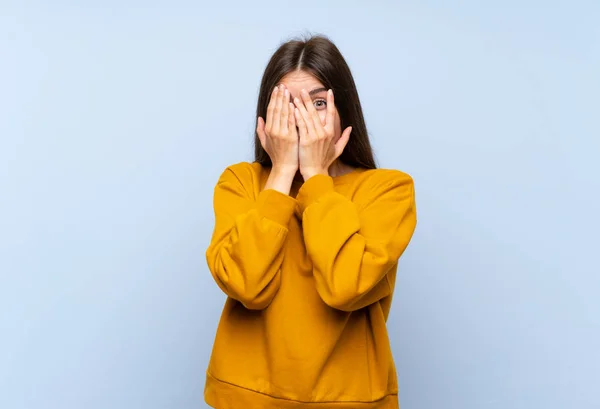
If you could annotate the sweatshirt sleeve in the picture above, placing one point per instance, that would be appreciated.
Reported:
(246, 249)
(353, 245)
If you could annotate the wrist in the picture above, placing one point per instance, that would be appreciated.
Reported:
(281, 179)
(284, 171)
(308, 173)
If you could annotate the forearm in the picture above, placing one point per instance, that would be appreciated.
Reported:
(349, 269)
(280, 179)
(354, 246)
(245, 261)
(245, 252)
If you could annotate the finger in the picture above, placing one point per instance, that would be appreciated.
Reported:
(260, 131)
(285, 111)
(270, 109)
(302, 129)
(291, 118)
(340, 145)
(313, 114)
(277, 111)
(308, 123)
(329, 119)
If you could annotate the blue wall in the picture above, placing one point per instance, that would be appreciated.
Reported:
(116, 119)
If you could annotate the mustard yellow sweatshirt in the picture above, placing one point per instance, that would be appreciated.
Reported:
(309, 279)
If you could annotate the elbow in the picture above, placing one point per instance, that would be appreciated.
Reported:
(255, 306)
(349, 299)
(256, 302)
(343, 306)
(343, 301)
(254, 288)
(253, 295)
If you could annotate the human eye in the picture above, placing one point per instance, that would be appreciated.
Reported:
(320, 103)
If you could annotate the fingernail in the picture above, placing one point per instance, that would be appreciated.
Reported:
(330, 92)
(275, 89)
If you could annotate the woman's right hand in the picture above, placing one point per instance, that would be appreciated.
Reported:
(279, 136)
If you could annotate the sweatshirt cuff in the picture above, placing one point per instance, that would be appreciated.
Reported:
(276, 206)
(313, 189)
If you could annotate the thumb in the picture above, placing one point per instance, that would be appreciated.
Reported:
(260, 131)
(340, 145)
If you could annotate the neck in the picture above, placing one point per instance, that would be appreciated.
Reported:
(337, 168)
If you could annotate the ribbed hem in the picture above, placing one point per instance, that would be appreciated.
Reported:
(276, 206)
(223, 395)
(313, 189)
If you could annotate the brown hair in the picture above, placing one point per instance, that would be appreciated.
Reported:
(321, 58)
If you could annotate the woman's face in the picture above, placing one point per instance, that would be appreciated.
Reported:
(296, 81)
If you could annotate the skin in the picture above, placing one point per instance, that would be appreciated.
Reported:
(302, 132)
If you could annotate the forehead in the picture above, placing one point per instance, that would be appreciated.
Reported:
(301, 79)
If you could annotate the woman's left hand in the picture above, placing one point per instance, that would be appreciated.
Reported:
(318, 147)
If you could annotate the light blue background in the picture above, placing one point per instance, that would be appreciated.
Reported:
(116, 119)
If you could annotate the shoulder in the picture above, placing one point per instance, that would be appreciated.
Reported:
(387, 185)
(383, 179)
(243, 170)
(245, 175)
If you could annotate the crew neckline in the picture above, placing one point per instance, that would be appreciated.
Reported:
(343, 178)
(338, 179)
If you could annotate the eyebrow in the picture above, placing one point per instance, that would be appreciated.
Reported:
(316, 91)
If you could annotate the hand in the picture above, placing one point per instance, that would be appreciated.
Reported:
(279, 136)
(318, 148)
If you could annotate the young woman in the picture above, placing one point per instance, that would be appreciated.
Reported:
(306, 244)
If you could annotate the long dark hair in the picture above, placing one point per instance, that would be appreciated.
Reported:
(321, 58)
